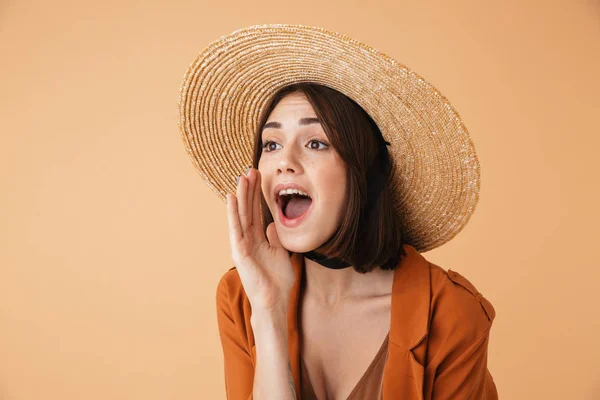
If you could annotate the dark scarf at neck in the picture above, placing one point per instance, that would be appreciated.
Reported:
(331, 263)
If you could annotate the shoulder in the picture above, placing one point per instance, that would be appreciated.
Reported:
(230, 282)
(230, 295)
(457, 306)
(233, 316)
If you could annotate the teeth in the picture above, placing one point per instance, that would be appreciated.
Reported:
(292, 191)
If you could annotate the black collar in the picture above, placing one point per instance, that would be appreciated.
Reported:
(331, 263)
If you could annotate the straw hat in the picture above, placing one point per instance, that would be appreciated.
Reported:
(436, 179)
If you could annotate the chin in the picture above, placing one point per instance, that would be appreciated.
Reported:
(298, 244)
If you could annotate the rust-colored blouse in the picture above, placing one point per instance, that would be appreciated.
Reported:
(369, 387)
(437, 346)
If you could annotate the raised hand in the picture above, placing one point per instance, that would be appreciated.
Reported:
(264, 266)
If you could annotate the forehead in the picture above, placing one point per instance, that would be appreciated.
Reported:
(292, 105)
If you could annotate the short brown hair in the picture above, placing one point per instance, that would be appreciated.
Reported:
(370, 233)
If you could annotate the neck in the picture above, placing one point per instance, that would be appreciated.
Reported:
(332, 286)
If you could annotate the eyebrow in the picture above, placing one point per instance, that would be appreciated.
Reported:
(301, 121)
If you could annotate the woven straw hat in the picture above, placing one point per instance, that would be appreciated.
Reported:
(436, 179)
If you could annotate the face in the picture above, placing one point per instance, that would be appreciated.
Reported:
(297, 150)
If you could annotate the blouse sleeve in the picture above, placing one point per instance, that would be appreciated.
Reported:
(238, 366)
(461, 353)
(464, 374)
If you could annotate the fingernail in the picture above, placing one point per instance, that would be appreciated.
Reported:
(247, 169)
(237, 181)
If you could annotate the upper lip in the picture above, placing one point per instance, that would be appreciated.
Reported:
(290, 185)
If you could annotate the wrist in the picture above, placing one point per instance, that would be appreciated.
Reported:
(275, 317)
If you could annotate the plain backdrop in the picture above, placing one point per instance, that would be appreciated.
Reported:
(111, 245)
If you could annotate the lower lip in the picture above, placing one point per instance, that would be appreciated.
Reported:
(292, 223)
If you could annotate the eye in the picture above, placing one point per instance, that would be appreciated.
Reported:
(318, 141)
(267, 148)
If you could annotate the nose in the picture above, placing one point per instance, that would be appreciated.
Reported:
(288, 160)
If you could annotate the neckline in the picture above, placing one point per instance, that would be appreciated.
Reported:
(365, 375)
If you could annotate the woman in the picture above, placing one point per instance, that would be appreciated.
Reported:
(329, 297)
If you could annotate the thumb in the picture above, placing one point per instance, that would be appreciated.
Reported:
(272, 235)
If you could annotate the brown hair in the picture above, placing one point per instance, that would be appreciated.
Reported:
(370, 233)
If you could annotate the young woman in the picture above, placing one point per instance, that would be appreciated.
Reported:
(330, 297)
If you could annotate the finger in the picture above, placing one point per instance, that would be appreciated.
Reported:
(251, 189)
(235, 233)
(272, 235)
(242, 191)
(256, 218)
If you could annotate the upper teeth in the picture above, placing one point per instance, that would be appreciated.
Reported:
(292, 191)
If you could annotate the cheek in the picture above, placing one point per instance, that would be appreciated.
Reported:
(334, 188)
(265, 183)
(342, 188)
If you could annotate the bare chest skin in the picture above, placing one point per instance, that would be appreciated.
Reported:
(338, 344)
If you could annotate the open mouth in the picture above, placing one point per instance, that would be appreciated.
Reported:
(293, 205)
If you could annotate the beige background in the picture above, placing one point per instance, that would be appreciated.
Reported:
(112, 245)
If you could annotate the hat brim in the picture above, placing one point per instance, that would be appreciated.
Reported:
(436, 179)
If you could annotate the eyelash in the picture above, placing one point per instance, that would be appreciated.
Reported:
(267, 142)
